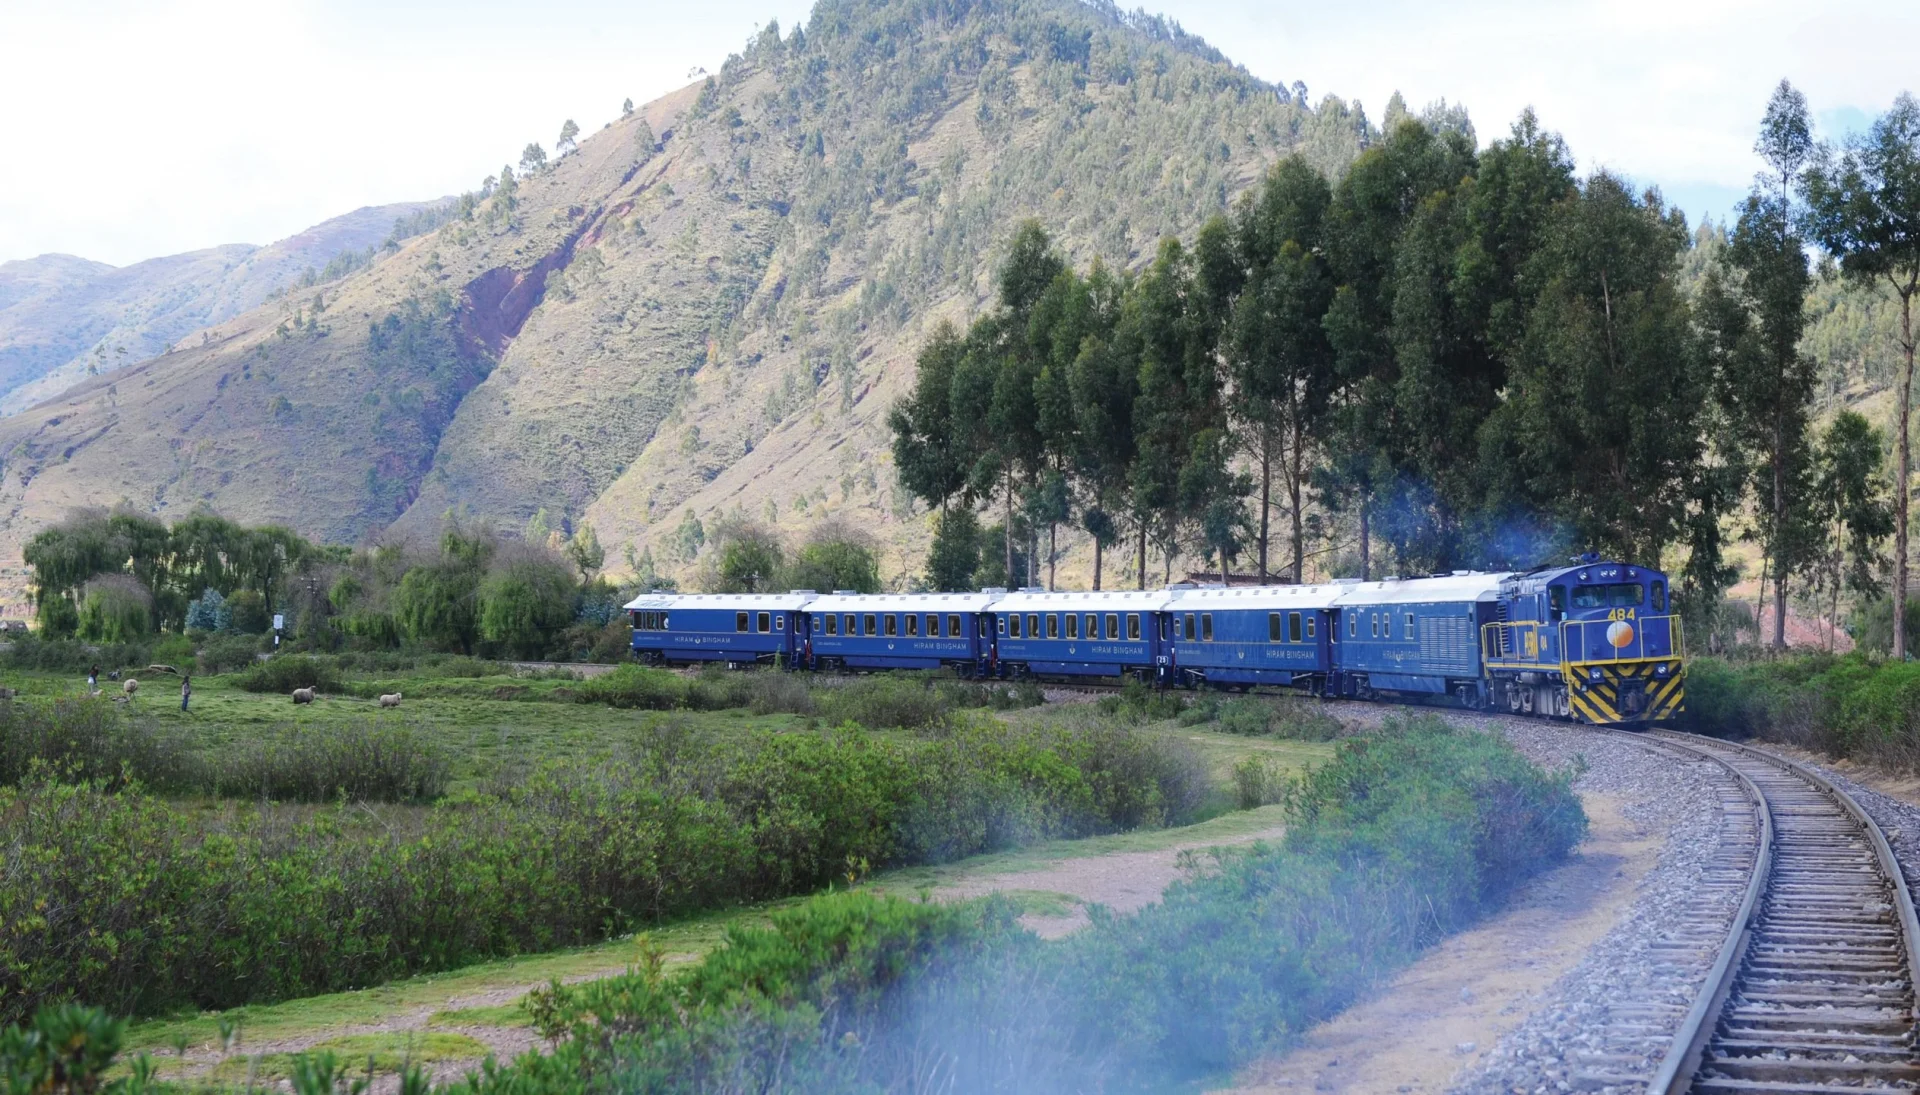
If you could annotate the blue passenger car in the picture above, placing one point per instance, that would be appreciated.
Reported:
(1251, 635)
(736, 628)
(899, 631)
(1100, 634)
(1414, 635)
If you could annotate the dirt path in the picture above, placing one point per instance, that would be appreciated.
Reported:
(1440, 1014)
(1122, 881)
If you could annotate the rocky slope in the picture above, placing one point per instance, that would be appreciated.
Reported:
(707, 308)
(64, 318)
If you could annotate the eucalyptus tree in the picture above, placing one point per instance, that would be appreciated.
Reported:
(1864, 209)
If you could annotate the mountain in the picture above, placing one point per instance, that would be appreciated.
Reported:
(708, 307)
(64, 318)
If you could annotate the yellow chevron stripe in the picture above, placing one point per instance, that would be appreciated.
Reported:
(1662, 694)
(1603, 705)
(1583, 708)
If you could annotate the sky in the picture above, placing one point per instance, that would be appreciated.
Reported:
(140, 128)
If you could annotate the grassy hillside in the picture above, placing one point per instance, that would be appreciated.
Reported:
(707, 307)
(64, 318)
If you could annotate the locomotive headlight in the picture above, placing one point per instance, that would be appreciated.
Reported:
(1662, 669)
(1595, 675)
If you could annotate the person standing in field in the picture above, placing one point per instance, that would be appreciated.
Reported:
(93, 679)
(186, 690)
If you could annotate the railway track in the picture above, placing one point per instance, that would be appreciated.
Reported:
(1793, 971)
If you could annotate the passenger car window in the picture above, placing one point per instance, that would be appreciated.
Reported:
(1293, 627)
(740, 621)
(1190, 632)
(1353, 627)
(766, 623)
(1309, 627)
(1073, 626)
(1409, 625)
(1113, 626)
(933, 624)
(892, 624)
(1053, 626)
(1133, 626)
(1273, 627)
(913, 624)
(1206, 627)
(953, 626)
(1010, 625)
(869, 628)
(1033, 626)
(1093, 626)
(833, 624)
(1373, 620)
(780, 622)
(853, 624)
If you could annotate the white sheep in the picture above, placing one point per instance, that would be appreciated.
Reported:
(303, 695)
(130, 687)
(390, 699)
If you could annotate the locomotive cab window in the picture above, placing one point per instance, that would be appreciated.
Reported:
(1273, 627)
(1293, 627)
(1659, 596)
(1617, 595)
(740, 622)
(1556, 603)
(766, 622)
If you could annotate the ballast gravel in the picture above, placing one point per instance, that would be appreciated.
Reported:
(1662, 792)
(1899, 821)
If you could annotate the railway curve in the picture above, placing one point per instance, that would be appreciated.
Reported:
(1812, 985)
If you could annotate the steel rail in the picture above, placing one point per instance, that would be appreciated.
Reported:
(1678, 1070)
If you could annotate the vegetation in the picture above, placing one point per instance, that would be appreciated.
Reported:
(1406, 835)
(160, 909)
(1854, 706)
(1420, 344)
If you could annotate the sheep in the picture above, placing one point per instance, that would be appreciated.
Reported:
(303, 695)
(390, 699)
(130, 687)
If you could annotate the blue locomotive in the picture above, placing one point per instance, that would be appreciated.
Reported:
(1595, 641)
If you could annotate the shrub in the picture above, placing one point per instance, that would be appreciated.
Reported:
(154, 908)
(290, 671)
(1402, 837)
(226, 653)
(365, 761)
(89, 738)
(30, 651)
(633, 686)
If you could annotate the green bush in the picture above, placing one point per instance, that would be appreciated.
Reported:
(372, 760)
(634, 686)
(89, 738)
(124, 900)
(226, 653)
(29, 651)
(290, 671)
(1853, 706)
(1404, 836)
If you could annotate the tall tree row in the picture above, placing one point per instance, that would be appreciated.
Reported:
(1470, 357)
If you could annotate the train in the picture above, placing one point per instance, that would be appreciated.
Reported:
(1592, 641)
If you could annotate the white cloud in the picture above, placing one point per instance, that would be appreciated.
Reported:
(145, 128)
